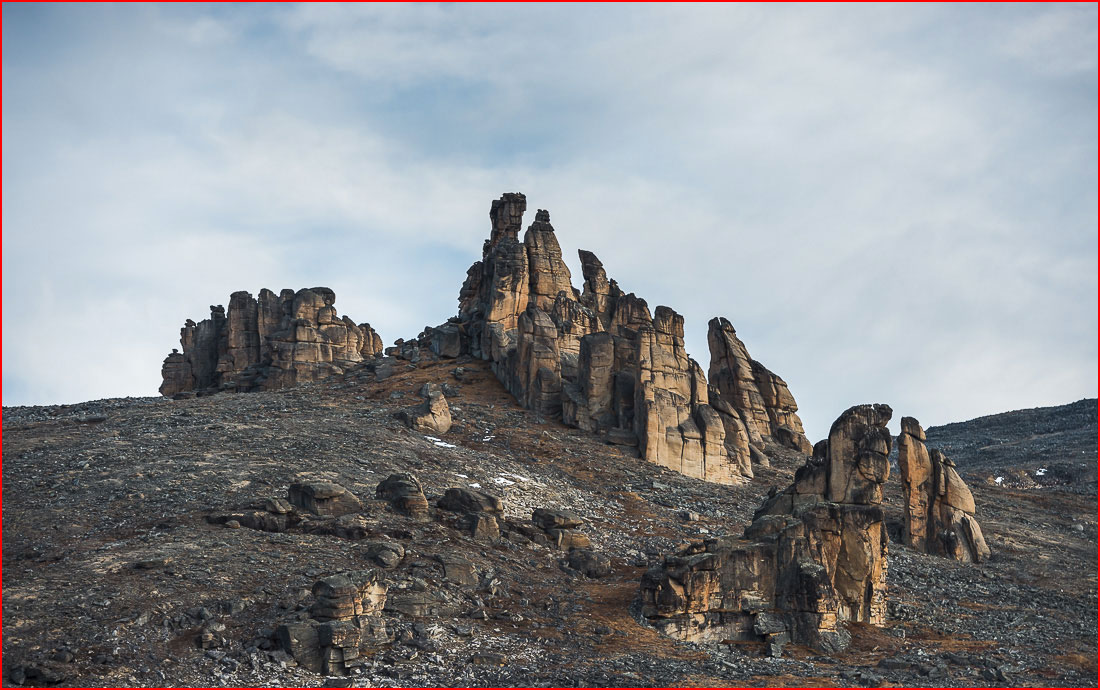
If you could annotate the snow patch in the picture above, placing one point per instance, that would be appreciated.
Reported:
(502, 481)
(1040, 472)
(1000, 480)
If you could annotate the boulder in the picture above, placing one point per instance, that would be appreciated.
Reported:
(461, 500)
(385, 554)
(404, 493)
(590, 563)
(321, 498)
(433, 416)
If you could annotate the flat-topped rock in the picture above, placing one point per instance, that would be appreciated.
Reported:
(265, 343)
(321, 498)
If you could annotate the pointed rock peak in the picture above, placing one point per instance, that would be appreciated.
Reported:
(542, 216)
(506, 214)
(590, 265)
(721, 323)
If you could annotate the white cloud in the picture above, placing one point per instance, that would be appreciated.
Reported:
(880, 203)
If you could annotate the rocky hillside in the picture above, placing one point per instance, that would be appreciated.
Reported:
(165, 542)
(1043, 446)
(543, 490)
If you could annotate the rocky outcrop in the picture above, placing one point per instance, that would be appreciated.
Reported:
(813, 557)
(405, 495)
(597, 359)
(264, 343)
(939, 508)
(433, 416)
(676, 426)
(755, 403)
(343, 626)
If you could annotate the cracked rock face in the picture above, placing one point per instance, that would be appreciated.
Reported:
(266, 343)
(939, 508)
(813, 557)
(598, 360)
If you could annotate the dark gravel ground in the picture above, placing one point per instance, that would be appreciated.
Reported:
(111, 568)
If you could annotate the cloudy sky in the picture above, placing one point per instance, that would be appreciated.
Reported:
(891, 203)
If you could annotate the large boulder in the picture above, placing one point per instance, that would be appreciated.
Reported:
(405, 495)
(433, 416)
(321, 498)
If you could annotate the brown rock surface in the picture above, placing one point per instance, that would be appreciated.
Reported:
(807, 563)
(762, 401)
(266, 343)
(597, 359)
(939, 507)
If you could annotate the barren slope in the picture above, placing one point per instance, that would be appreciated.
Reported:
(108, 556)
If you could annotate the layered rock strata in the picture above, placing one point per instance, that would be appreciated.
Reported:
(939, 508)
(597, 359)
(343, 627)
(813, 557)
(264, 343)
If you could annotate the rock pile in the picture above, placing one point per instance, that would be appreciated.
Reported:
(597, 359)
(265, 343)
(939, 508)
(813, 557)
(345, 621)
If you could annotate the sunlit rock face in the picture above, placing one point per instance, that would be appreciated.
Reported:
(939, 508)
(265, 343)
(813, 557)
(599, 360)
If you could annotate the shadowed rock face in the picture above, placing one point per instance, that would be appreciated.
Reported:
(597, 359)
(939, 508)
(813, 557)
(264, 343)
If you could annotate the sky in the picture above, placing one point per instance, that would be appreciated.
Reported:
(890, 203)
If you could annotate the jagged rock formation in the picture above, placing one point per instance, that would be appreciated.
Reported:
(813, 557)
(597, 359)
(272, 341)
(756, 402)
(939, 508)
